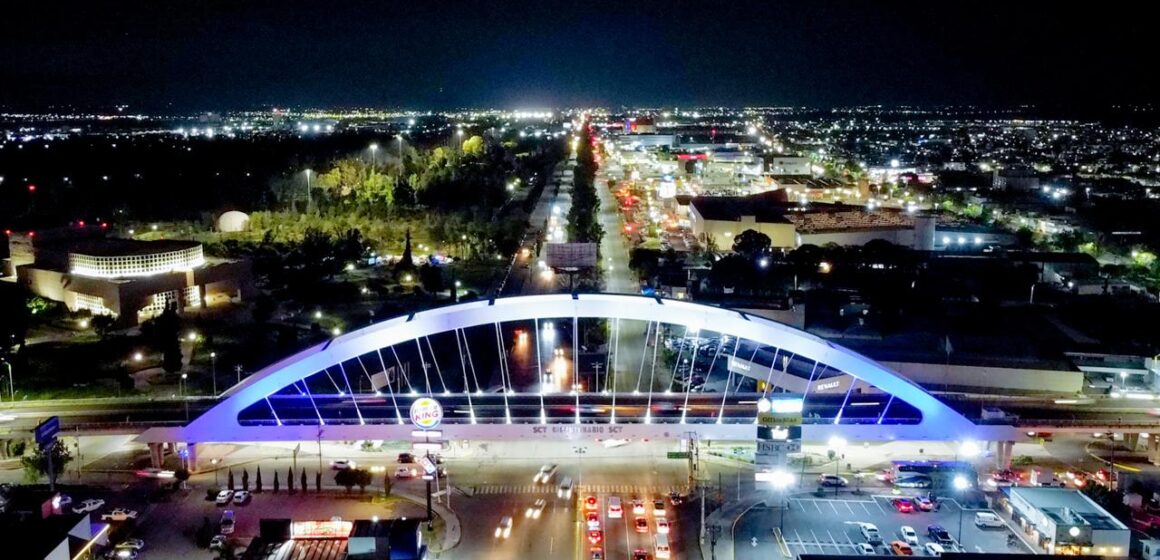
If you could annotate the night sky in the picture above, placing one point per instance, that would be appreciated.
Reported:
(186, 55)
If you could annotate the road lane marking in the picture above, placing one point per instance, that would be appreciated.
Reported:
(850, 507)
(867, 509)
(880, 508)
(819, 508)
(834, 507)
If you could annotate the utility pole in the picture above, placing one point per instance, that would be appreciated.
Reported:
(238, 370)
(597, 366)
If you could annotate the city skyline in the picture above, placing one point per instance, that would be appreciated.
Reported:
(514, 54)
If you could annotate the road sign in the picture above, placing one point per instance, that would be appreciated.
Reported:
(426, 413)
(679, 454)
(46, 431)
(428, 464)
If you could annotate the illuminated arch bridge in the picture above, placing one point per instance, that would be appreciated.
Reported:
(520, 367)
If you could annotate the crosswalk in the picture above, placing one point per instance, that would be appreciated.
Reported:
(627, 489)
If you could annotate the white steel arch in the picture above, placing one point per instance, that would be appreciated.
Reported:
(939, 421)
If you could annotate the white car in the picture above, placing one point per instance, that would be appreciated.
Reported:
(156, 473)
(119, 514)
(565, 488)
(933, 549)
(662, 526)
(545, 474)
(224, 497)
(504, 529)
(342, 464)
(637, 507)
(870, 533)
(909, 536)
(535, 510)
(406, 472)
(242, 497)
(864, 549)
(131, 544)
(88, 506)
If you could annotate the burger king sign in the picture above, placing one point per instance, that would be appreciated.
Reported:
(426, 413)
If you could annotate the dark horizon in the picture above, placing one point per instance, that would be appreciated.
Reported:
(223, 56)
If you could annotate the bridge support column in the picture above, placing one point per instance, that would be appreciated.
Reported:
(1003, 450)
(1153, 446)
(1131, 441)
(191, 457)
(156, 455)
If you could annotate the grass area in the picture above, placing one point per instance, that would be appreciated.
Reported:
(83, 366)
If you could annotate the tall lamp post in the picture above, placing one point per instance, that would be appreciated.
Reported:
(308, 172)
(11, 390)
(781, 480)
(836, 445)
(961, 485)
(580, 451)
(213, 370)
(374, 149)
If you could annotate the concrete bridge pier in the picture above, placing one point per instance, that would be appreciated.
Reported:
(1003, 450)
(191, 457)
(1131, 441)
(1153, 447)
(156, 455)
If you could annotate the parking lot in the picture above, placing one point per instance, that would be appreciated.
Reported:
(829, 525)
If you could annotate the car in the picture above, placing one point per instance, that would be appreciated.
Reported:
(676, 499)
(119, 514)
(504, 529)
(591, 503)
(832, 480)
(227, 522)
(662, 526)
(939, 535)
(155, 473)
(933, 549)
(640, 554)
(593, 519)
(913, 482)
(988, 520)
(641, 525)
(545, 474)
(406, 472)
(596, 554)
(218, 542)
(535, 510)
(406, 458)
(658, 508)
(342, 464)
(61, 501)
(637, 507)
(909, 535)
(134, 544)
(903, 505)
(242, 497)
(900, 548)
(121, 554)
(89, 506)
(864, 549)
(224, 497)
(615, 511)
(924, 504)
(596, 536)
(870, 533)
(564, 490)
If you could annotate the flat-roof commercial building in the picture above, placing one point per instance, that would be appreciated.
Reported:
(1065, 521)
(130, 279)
(338, 539)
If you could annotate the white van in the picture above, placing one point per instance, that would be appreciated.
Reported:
(986, 519)
(662, 548)
(615, 511)
(565, 488)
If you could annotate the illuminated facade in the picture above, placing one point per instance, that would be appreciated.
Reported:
(130, 279)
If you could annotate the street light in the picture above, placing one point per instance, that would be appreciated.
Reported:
(1124, 380)
(961, 484)
(214, 462)
(11, 391)
(374, 148)
(837, 444)
(780, 480)
(580, 451)
(308, 171)
(213, 370)
(968, 449)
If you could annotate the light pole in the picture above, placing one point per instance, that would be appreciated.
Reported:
(580, 451)
(837, 444)
(374, 149)
(308, 190)
(1124, 381)
(781, 480)
(11, 390)
(215, 462)
(961, 486)
(400, 151)
(213, 370)
(181, 388)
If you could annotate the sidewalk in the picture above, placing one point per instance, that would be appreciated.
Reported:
(725, 518)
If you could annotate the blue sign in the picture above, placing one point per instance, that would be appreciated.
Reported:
(47, 430)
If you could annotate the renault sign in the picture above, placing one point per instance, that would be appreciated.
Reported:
(426, 413)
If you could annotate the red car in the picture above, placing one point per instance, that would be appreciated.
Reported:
(591, 503)
(593, 520)
(903, 505)
(641, 525)
(596, 537)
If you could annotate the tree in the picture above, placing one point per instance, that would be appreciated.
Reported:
(36, 465)
(406, 262)
(166, 333)
(230, 479)
(245, 479)
(431, 277)
(387, 484)
(258, 480)
(302, 479)
(290, 480)
(318, 481)
(473, 146)
(345, 478)
(103, 324)
(276, 482)
(751, 243)
(362, 478)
